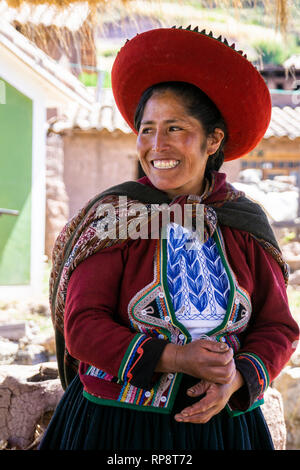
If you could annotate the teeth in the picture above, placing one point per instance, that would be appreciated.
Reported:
(165, 163)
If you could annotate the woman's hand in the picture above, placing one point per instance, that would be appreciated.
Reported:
(215, 399)
(203, 359)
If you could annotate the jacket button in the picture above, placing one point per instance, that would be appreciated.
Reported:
(163, 399)
(147, 394)
(181, 336)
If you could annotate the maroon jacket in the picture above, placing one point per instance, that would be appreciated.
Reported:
(118, 319)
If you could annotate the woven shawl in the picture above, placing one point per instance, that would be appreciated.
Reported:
(79, 240)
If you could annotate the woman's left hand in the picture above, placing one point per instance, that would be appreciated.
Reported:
(215, 399)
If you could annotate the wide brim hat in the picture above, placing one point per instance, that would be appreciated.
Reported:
(214, 66)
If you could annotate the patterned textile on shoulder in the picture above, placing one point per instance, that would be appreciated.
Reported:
(81, 237)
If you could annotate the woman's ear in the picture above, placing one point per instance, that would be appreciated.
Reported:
(214, 141)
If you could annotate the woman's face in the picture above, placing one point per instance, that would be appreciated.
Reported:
(172, 146)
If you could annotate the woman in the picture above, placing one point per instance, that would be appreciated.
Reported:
(168, 342)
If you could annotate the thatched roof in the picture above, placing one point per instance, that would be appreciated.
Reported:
(63, 82)
(280, 9)
(40, 14)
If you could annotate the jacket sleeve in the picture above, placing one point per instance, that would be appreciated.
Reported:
(272, 334)
(94, 333)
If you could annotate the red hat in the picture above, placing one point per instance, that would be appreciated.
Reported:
(224, 74)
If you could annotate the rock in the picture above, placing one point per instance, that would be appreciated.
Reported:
(250, 175)
(40, 307)
(13, 331)
(295, 358)
(47, 371)
(49, 345)
(278, 199)
(291, 254)
(289, 179)
(31, 354)
(274, 415)
(288, 384)
(25, 400)
(294, 279)
(8, 351)
(291, 249)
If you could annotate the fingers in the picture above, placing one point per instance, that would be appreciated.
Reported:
(202, 411)
(220, 353)
(199, 411)
(200, 417)
(198, 389)
(225, 374)
(213, 346)
(206, 359)
(222, 374)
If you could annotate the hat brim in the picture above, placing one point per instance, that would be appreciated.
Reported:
(225, 75)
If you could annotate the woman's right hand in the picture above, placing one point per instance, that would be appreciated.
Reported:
(202, 358)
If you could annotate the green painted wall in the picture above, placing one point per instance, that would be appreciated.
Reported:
(15, 185)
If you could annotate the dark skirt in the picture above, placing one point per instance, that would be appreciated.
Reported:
(79, 424)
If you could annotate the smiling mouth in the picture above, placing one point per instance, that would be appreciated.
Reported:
(165, 164)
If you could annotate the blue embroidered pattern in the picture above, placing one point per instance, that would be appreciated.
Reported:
(197, 280)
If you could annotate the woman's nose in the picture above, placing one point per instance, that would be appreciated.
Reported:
(160, 141)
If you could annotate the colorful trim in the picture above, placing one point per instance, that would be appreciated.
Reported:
(152, 315)
(122, 404)
(230, 339)
(133, 354)
(234, 413)
(259, 367)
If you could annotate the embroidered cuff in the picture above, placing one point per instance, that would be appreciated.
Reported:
(256, 380)
(138, 364)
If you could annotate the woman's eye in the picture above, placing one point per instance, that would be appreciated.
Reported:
(174, 128)
(146, 130)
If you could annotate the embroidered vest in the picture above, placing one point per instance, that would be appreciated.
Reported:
(151, 312)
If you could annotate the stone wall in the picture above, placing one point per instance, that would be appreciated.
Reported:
(94, 161)
(57, 201)
(79, 165)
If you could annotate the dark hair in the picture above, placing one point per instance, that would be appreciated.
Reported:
(198, 105)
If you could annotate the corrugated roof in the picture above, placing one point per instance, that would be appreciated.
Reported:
(285, 122)
(105, 115)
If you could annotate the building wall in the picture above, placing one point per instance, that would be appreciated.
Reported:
(57, 202)
(232, 170)
(95, 161)
(15, 187)
(28, 85)
(275, 156)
